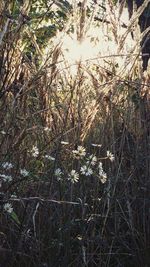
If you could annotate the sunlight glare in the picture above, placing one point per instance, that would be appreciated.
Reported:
(76, 51)
(98, 46)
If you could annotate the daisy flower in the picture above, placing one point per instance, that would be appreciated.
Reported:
(80, 152)
(87, 171)
(110, 156)
(58, 174)
(73, 176)
(103, 177)
(8, 208)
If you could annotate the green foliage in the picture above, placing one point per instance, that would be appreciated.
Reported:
(14, 217)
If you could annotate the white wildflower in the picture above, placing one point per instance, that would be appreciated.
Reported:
(8, 208)
(110, 156)
(85, 170)
(7, 165)
(35, 151)
(6, 178)
(96, 145)
(79, 152)
(64, 143)
(100, 168)
(92, 160)
(73, 176)
(100, 165)
(102, 174)
(58, 174)
(50, 157)
(103, 177)
(24, 172)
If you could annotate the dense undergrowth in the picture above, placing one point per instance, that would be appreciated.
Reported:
(74, 142)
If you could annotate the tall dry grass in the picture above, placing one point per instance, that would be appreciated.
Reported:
(46, 109)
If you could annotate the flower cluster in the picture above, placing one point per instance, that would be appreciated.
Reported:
(89, 165)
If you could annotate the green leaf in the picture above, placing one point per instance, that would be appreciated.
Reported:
(15, 217)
